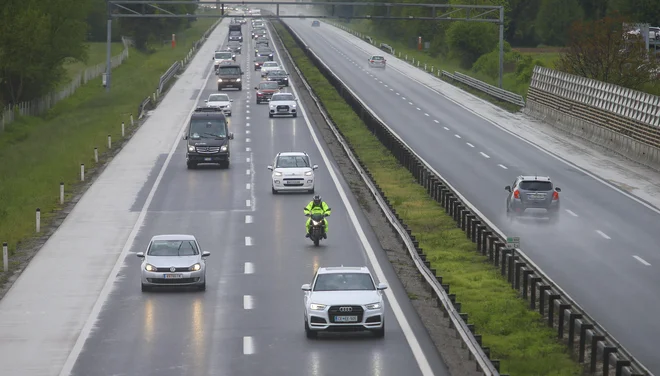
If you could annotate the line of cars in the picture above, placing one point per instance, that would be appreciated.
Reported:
(338, 298)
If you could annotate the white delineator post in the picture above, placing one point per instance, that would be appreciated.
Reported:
(132, 121)
(82, 172)
(123, 129)
(5, 257)
(96, 155)
(61, 193)
(109, 142)
(38, 220)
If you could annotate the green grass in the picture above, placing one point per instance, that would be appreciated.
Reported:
(37, 153)
(96, 55)
(515, 334)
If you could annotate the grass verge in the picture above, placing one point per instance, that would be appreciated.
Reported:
(514, 334)
(37, 153)
(96, 55)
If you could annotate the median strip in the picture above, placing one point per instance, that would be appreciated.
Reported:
(514, 334)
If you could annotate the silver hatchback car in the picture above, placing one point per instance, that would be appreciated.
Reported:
(173, 260)
(377, 61)
(532, 192)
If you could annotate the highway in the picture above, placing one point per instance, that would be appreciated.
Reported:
(249, 321)
(604, 249)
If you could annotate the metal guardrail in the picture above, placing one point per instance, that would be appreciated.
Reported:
(489, 89)
(165, 78)
(387, 48)
(590, 342)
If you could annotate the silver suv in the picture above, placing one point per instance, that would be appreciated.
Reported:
(532, 192)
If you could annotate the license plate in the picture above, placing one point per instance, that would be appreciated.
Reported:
(172, 276)
(207, 159)
(281, 110)
(537, 197)
(292, 183)
(346, 318)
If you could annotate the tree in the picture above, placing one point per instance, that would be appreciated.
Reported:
(603, 50)
(644, 11)
(554, 19)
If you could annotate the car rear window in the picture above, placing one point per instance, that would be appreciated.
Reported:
(535, 185)
(377, 58)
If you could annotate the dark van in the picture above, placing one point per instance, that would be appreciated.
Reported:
(229, 76)
(208, 138)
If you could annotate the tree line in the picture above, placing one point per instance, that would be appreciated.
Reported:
(530, 23)
(37, 39)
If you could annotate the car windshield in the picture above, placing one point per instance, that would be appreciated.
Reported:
(344, 282)
(271, 64)
(277, 73)
(377, 58)
(269, 85)
(223, 55)
(265, 50)
(292, 161)
(535, 185)
(172, 248)
(282, 97)
(218, 98)
(261, 59)
(235, 71)
(234, 32)
(208, 128)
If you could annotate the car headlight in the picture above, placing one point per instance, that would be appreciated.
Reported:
(286, 78)
(317, 307)
(219, 79)
(223, 148)
(271, 55)
(196, 267)
(308, 173)
(374, 306)
(238, 80)
(191, 148)
(277, 173)
(150, 268)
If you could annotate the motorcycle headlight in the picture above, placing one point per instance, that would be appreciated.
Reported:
(150, 268)
(277, 173)
(317, 307)
(223, 148)
(191, 148)
(196, 267)
(315, 223)
(308, 173)
(374, 306)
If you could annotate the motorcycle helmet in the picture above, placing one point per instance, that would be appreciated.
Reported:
(317, 200)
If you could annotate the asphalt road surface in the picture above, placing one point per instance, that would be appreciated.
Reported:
(604, 249)
(249, 321)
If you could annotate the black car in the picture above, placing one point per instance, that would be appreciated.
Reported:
(265, 51)
(316, 24)
(279, 76)
(258, 33)
(261, 40)
(234, 47)
(208, 138)
(235, 36)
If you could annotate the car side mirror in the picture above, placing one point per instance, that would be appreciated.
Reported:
(231, 136)
(206, 254)
(315, 167)
(255, 88)
(382, 286)
(231, 100)
(140, 254)
(270, 168)
(206, 101)
(306, 287)
(507, 188)
(288, 74)
(185, 137)
(557, 189)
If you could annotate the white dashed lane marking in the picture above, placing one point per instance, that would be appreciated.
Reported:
(503, 166)
(446, 128)
(437, 122)
(247, 172)
(457, 136)
(484, 154)
(248, 346)
(248, 149)
(604, 235)
(571, 213)
(247, 203)
(248, 302)
(425, 114)
(469, 144)
(248, 240)
(248, 140)
(642, 260)
(248, 219)
(249, 268)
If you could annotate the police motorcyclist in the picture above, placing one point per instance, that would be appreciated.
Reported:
(317, 206)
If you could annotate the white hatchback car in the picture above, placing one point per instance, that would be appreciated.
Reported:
(283, 104)
(173, 260)
(269, 66)
(220, 101)
(344, 299)
(292, 171)
(377, 61)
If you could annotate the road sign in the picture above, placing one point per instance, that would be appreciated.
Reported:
(513, 242)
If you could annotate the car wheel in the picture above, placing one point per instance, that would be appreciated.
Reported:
(224, 164)
(311, 334)
(145, 288)
(270, 115)
(240, 88)
(202, 287)
(191, 165)
(219, 88)
(295, 115)
(380, 333)
(272, 189)
(258, 102)
(311, 190)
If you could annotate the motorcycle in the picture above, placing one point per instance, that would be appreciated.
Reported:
(317, 227)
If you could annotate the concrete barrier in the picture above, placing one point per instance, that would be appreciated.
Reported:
(623, 120)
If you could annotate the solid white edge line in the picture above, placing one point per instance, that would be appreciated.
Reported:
(642, 260)
(248, 345)
(415, 347)
(604, 235)
(249, 268)
(248, 302)
(109, 283)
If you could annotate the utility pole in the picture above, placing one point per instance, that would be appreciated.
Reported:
(108, 61)
(501, 47)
